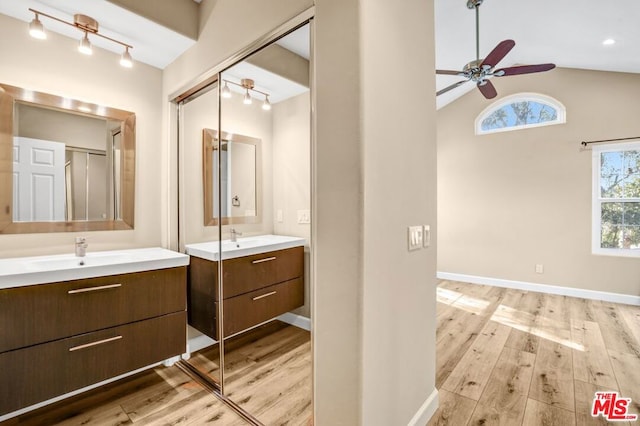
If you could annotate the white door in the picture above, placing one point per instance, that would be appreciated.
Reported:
(38, 180)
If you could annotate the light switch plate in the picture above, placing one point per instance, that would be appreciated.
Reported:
(414, 236)
(279, 216)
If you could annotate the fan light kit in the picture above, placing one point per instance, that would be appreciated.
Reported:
(480, 70)
(248, 85)
(84, 23)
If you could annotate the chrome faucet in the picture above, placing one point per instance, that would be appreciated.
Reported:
(234, 235)
(81, 246)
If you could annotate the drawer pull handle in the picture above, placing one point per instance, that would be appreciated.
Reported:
(99, 342)
(266, 259)
(88, 289)
(264, 295)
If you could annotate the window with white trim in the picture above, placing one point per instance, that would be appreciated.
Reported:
(520, 111)
(616, 199)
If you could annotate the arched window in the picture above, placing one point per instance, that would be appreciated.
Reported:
(520, 111)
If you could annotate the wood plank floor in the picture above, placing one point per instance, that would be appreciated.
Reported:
(270, 377)
(509, 357)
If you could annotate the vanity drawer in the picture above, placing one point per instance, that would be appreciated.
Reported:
(41, 313)
(247, 310)
(41, 372)
(249, 273)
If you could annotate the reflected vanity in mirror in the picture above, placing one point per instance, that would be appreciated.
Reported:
(66, 165)
(249, 285)
(240, 184)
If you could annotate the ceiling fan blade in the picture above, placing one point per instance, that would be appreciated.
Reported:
(451, 87)
(487, 89)
(498, 52)
(523, 69)
(449, 72)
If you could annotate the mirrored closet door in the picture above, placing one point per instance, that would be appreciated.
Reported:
(245, 201)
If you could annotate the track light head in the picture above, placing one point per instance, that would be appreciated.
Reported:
(126, 60)
(36, 29)
(247, 98)
(266, 105)
(85, 46)
(226, 92)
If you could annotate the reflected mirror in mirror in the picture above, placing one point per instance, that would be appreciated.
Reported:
(240, 166)
(72, 164)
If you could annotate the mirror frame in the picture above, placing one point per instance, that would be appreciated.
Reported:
(8, 96)
(209, 144)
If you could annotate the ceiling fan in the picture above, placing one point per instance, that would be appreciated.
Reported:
(480, 70)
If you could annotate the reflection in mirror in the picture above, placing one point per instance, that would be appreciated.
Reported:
(249, 286)
(72, 164)
(240, 165)
(267, 350)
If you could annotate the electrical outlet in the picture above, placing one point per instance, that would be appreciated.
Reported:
(304, 216)
(414, 236)
(539, 268)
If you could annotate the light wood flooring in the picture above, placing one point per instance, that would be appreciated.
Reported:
(509, 357)
(270, 376)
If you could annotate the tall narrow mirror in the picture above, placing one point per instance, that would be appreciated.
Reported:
(198, 115)
(267, 350)
(245, 213)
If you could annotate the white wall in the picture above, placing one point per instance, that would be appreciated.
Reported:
(511, 200)
(55, 66)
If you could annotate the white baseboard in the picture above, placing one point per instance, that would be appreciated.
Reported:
(627, 299)
(296, 320)
(426, 411)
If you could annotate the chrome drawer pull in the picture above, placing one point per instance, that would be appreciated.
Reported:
(264, 295)
(266, 259)
(88, 289)
(99, 342)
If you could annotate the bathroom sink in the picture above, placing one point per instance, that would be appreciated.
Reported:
(243, 246)
(21, 271)
(71, 261)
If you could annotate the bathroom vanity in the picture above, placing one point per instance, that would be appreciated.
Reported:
(263, 277)
(70, 322)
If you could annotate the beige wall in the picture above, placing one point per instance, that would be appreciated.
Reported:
(399, 158)
(511, 200)
(292, 175)
(55, 66)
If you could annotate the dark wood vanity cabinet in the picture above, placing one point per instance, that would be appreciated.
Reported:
(256, 288)
(60, 337)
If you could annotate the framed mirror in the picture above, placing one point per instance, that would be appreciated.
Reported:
(66, 165)
(240, 185)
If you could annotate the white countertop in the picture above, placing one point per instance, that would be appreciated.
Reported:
(23, 271)
(243, 246)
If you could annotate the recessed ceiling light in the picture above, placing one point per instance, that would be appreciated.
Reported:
(609, 42)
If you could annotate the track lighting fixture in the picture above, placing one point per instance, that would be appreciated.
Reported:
(87, 25)
(248, 85)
